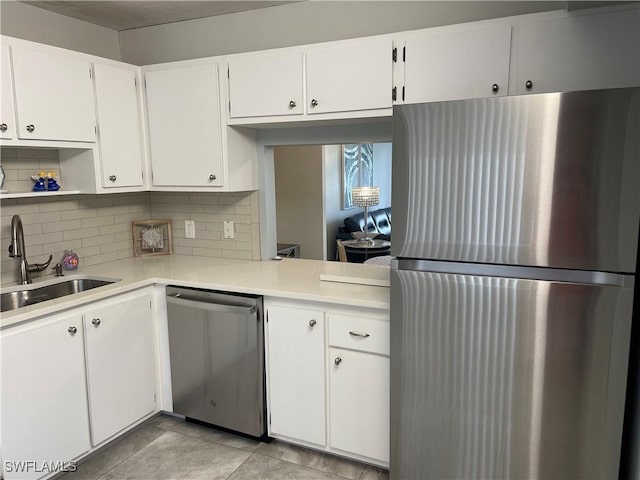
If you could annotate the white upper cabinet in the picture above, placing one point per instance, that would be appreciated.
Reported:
(121, 365)
(266, 84)
(119, 126)
(54, 96)
(447, 64)
(349, 77)
(185, 130)
(578, 52)
(7, 113)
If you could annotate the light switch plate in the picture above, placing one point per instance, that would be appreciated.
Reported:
(229, 230)
(189, 229)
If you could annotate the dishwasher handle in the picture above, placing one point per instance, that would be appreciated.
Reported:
(213, 307)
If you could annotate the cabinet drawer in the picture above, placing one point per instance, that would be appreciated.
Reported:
(359, 333)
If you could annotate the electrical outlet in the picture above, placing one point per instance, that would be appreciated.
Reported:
(189, 229)
(229, 231)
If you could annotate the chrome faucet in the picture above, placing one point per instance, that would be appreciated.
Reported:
(17, 250)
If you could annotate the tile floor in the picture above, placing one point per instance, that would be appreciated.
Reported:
(166, 447)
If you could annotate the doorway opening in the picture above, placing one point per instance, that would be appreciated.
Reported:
(313, 185)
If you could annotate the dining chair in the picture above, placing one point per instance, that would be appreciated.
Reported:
(342, 253)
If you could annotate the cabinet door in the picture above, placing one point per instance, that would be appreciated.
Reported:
(7, 114)
(119, 126)
(121, 367)
(359, 408)
(185, 135)
(295, 356)
(265, 84)
(43, 403)
(579, 53)
(452, 65)
(54, 96)
(350, 77)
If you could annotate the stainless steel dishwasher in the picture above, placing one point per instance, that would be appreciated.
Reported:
(216, 344)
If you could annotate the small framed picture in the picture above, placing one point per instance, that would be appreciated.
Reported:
(152, 237)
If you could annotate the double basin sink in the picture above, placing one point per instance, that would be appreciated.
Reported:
(24, 295)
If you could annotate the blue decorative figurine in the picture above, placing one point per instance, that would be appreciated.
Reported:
(52, 185)
(40, 185)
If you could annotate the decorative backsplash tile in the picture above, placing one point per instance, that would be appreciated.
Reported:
(19, 164)
(98, 227)
(208, 211)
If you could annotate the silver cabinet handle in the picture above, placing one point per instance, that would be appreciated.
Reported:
(337, 361)
(528, 84)
(359, 335)
(113, 178)
(495, 88)
(312, 323)
(292, 104)
(314, 102)
(3, 127)
(212, 177)
(96, 322)
(72, 330)
(31, 128)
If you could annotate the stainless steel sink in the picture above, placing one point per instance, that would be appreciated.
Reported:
(29, 296)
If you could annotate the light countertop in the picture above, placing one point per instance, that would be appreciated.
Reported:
(288, 278)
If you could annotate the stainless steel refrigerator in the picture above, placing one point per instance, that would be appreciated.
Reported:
(515, 235)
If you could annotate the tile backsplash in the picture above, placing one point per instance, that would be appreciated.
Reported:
(19, 164)
(208, 211)
(98, 227)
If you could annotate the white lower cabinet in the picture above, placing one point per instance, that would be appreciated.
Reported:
(103, 352)
(335, 353)
(295, 359)
(359, 386)
(121, 364)
(43, 404)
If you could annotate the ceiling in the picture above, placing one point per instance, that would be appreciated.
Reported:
(125, 15)
(129, 14)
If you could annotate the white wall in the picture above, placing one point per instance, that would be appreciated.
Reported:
(304, 23)
(382, 173)
(38, 25)
(299, 199)
(333, 213)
